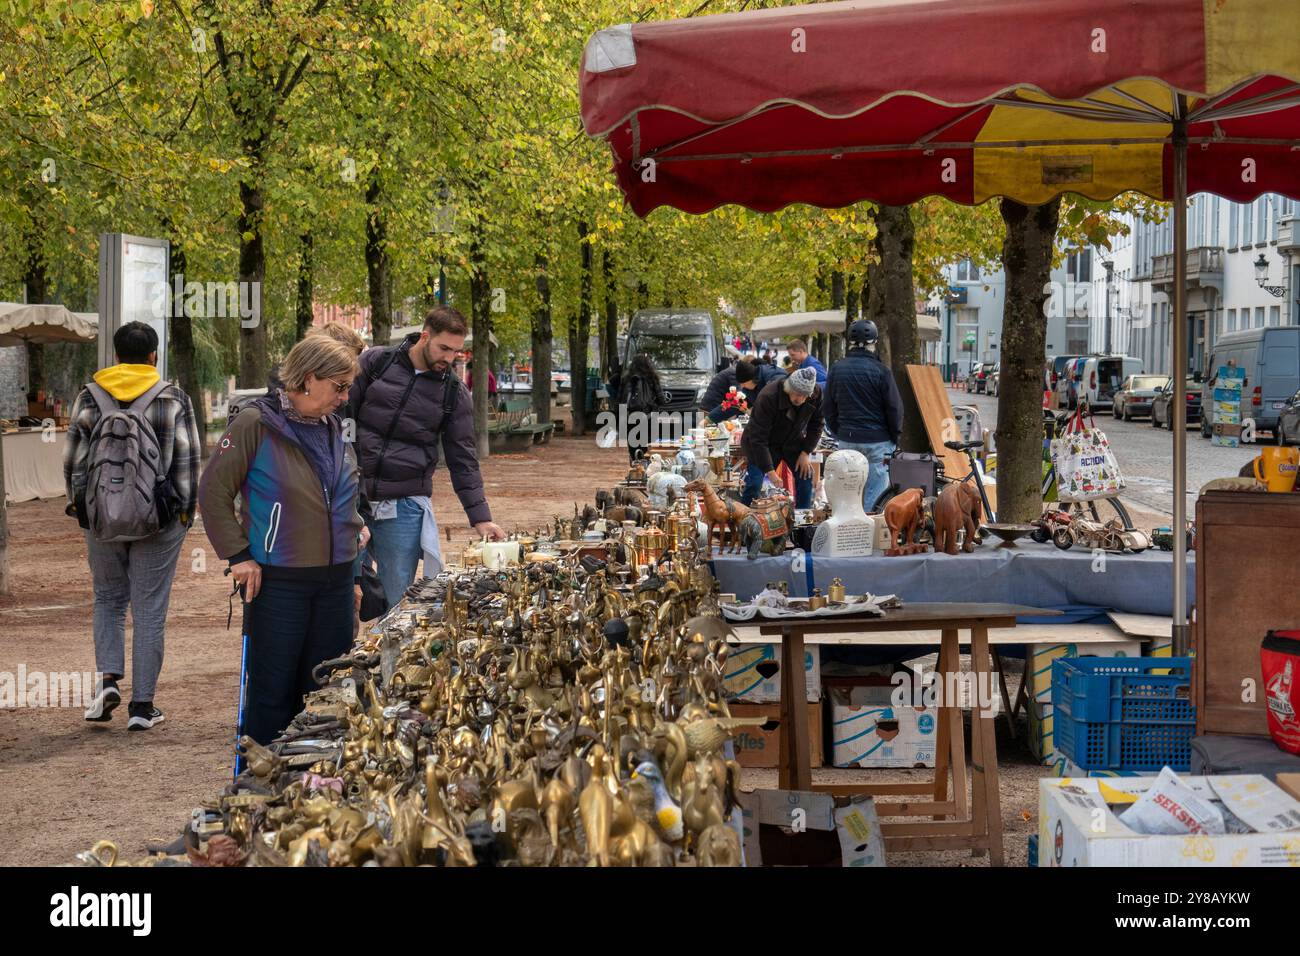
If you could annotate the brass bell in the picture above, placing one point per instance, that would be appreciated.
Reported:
(836, 593)
(817, 601)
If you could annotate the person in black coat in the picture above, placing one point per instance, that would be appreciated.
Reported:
(642, 393)
(864, 410)
(784, 426)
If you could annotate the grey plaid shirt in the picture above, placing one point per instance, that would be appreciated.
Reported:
(172, 418)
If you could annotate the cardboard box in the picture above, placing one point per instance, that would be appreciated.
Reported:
(867, 730)
(1078, 824)
(1064, 767)
(798, 828)
(1290, 782)
(1038, 672)
(758, 747)
(754, 673)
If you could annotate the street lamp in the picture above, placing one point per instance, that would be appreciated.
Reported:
(1261, 277)
(1110, 271)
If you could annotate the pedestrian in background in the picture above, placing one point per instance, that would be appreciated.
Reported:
(800, 357)
(137, 573)
(643, 394)
(864, 410)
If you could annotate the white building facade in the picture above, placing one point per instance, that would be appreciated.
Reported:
(1243, 271)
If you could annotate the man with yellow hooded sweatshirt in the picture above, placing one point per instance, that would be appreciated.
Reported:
(153, 442)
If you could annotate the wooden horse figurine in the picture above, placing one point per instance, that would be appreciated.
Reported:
(723, 515)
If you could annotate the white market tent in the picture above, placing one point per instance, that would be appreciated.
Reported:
(44, 324)
(798, 323)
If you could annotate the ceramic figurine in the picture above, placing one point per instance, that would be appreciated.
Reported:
(767, 527)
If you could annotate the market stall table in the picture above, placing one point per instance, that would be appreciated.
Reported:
(1035, 574)
(977, 825)
(34, 463)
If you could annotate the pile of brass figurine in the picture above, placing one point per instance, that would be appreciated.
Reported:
(559, 713)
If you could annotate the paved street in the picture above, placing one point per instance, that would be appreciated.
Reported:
(1145, 456)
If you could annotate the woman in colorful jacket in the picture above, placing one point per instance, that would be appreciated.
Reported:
(293, 547)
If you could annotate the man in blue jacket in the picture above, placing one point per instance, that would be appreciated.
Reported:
(801, 358)
(864, 410)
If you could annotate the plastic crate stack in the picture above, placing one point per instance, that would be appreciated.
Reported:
(1124, 713)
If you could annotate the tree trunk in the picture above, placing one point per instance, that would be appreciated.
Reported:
(480, 297)
(542, 336)
(826, 341)
(183, 360)
(578, 351)
(642, 294)
(839, 342)
(891, 303)
(609, 336)
(302, 308)
(1027, 259)
(36, 283)
(381, 316)
(253, 358)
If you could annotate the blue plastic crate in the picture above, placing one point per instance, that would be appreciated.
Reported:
(1124, 713)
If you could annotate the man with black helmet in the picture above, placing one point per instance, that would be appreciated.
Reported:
(864, 410)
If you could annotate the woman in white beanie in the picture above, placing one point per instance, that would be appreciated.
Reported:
(784, 426)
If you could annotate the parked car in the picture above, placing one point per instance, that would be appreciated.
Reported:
(1288, 422)
(1270, 358)
(978, 381)
(1101, 376)
(1066, 391)
(992, 384)
(1134, 396)
(1056, 368)
(1160, 416)
(684, 348)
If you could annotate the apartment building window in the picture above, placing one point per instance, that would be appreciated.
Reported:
(1259, 317)
(1275, 315)
(1232, 225)
(1261, 218)
(1230, 323)
(1247, 223)
(967, 271)
(1214, 220)
(1079, 266)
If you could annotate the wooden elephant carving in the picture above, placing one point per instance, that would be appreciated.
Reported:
(958, 506)
(902, 516)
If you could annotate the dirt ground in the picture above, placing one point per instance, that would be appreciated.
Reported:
(65, 784)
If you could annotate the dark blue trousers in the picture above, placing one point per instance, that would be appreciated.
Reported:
(293, 625)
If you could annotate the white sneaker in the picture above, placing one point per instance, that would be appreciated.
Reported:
(144, 719)
(106, 700)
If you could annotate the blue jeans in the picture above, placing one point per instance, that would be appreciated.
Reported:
(395, 546)
(292, 627)
(877, 453)
(803, 487)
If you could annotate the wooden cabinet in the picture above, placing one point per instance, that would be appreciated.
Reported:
(1247, 555)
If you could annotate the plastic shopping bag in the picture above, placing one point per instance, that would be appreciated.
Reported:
(1085, 466)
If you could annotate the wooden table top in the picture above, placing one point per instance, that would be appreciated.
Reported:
(911, 617)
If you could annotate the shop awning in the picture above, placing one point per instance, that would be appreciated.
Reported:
(45, 324)
(927, 327)
(798, 323)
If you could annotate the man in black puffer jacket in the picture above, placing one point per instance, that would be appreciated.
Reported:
(403, 408)
(863, 408)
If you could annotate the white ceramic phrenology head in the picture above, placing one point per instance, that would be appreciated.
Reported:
(845, 478)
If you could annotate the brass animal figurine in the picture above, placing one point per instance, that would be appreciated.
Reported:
(767, 527)
(902, 517)
(723, 515)
(957, 507)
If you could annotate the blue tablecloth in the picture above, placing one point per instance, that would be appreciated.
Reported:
(1038, 575)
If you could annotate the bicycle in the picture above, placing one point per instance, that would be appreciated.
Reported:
(940, 479)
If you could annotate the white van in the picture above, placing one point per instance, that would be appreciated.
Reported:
(1104, 375)
(1271, 359)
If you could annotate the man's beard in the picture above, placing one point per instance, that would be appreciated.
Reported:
(438, 366)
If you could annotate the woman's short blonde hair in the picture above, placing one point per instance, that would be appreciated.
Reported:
(342, 334)
(318, 355)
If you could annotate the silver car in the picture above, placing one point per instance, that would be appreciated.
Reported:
(1135, 395)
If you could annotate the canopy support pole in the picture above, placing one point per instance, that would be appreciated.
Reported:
(1178, 376)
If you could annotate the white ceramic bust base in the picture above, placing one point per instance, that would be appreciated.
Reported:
(849, 531)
